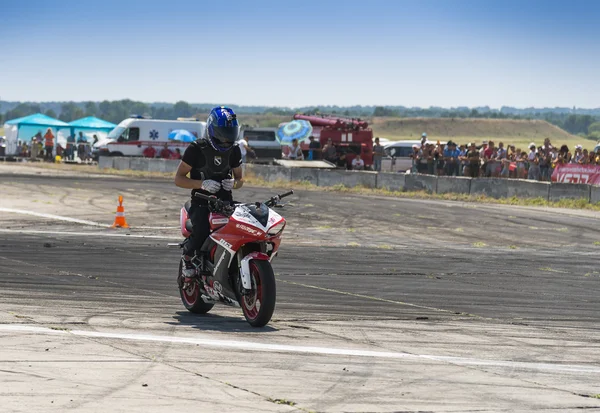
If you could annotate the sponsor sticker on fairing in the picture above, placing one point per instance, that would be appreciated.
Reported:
(249, 229)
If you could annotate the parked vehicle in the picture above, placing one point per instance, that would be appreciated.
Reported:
(237, 269)
(263, 141)
(399, 155)
(350, 137)
(135, 134)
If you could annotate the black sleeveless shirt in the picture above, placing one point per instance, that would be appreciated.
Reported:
(208, 163)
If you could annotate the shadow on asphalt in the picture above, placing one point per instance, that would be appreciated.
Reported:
(215, 322)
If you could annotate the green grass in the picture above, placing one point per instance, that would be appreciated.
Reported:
(536, 202)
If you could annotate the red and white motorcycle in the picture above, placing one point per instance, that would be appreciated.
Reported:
(237, 268)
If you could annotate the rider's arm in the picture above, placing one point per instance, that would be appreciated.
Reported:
(239, 179)
(181, 179)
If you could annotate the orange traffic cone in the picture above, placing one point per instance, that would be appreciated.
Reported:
(120, 217)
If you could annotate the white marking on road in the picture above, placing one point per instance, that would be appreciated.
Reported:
(86, 234)
(68, 219)
(54, 217)
(284, 348)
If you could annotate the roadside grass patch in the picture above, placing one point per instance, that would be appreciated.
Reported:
(513, 247)
(353, 244)
(597, 243)
(283, 401)
(479, 244)
(385, 247)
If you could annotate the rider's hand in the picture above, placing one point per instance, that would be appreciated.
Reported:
(227, 184)
(211, 186)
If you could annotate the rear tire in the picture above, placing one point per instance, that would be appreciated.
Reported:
(191, 297)
(258, 306)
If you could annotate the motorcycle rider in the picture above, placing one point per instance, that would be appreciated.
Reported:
(214, 163)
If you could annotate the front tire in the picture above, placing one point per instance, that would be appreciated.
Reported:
(259, 304)
(191, 297)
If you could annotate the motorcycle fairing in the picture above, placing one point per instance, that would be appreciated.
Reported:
(256, 216)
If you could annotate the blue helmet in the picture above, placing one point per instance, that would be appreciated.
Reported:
(222, 128)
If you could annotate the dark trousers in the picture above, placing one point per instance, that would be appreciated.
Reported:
(201, 229)
(451, 168)
(474, 170)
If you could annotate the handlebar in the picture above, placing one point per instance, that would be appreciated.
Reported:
(274, 200)
(225, 207)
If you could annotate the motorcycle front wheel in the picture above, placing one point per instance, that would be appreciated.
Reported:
(258, 305)
(191, 297)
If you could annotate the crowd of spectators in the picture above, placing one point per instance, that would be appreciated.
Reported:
(46, 147)
(498, 161)
(165, 152)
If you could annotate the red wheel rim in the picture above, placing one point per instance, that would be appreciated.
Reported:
(190, 293)
(252, 301)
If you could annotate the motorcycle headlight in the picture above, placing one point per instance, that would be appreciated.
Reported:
(276, 229)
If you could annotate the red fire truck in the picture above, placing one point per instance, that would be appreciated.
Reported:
(349, 136)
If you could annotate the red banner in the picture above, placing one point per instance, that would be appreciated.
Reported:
(577, 174)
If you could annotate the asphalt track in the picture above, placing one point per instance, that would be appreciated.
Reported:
(383, 304)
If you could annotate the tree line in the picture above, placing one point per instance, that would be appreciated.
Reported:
(584, 122)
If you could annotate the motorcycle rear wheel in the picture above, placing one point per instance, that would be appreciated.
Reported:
(258, 305)
(191, 297)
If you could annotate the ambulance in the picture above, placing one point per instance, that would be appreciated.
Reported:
(136, 133)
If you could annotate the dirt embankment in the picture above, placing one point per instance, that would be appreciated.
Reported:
(450, 128)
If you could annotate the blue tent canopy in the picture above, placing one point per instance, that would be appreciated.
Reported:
(92, 123)
(40, 120)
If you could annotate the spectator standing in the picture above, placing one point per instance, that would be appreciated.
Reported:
(521, 164)
(149, 152)
(176, 154)
(489, 156)
(166, 153)
(24, 150)
(70, 150)
(330, 152)
(358, 164)
(534, 168)
(563, 155)
(462, 156)
(474, 161)
(49, 144)
(243, 144)
(377, 155)
(34, 148)
(501, 156)
(451, 158)
(429, 156)
(438, 156)
(578, 156)
(295, 152)
(415, 156)
(314, 149)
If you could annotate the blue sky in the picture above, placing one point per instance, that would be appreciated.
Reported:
(296, 53)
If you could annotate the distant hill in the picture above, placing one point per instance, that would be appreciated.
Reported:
(451, 128)
(513, 131)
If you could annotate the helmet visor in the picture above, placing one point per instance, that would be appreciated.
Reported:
(225, 136)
